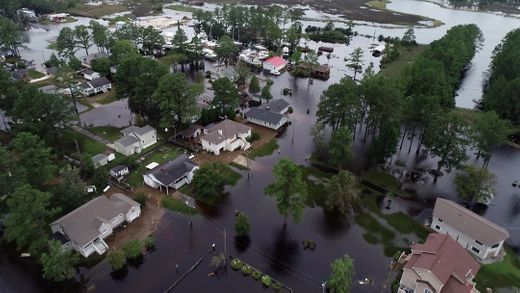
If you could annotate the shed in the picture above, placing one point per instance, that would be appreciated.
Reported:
(99, 160)
(119, 171)
(326, 49)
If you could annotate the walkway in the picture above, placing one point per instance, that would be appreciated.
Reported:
(93, 136)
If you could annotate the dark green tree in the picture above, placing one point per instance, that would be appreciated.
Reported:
(340, 105)
(242, 225)
(116, 259)
(226, 95)
(254, 85)
(342, 193)
(122, 49)
(489, 132)
(209, 181)
(66, 42)
(339, 147)
(82, 37)
(133, 249)
(70, 192)
(475, 184)
(58, 264)
(100, 35)
(266, 92)
(342, 272)
(11, 36)
(226, 49)
(355, 62)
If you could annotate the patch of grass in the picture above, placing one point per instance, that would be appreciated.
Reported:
(316, 180)
(386, 181)
(407, 56)
(504, 274)
(232, 177)
(264, 150)
(108, 132)
(177, 206)
(34, 74)
(87, 145)
(405, 224)
(96, 11)
(46, 82)
(238, 166)
(182, 8)
(106, 98)
(136, 177)
(370, 238)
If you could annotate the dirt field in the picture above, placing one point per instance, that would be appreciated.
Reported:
(350, 9)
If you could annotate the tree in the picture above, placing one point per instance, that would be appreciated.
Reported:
(209, 181)
(35, 157)
(133, 249)
(117, 259)
(226, 95)
(475, 184)
(409, 37)
(226, 49)
(11, 36)
(66, 42)
(339, 147)
(82, 37)
(101, 65)
(489, 132)
(340, 105)
(254, 86)
(58, 263)
(385, 143)
(176, 98)
(288, 189)
(74, 63)
(342, 272)
(342, 192)
(242, 225)
(151, 40)
(180, 40)
(355, 62)
(293, 36)
(100, 35)
(12, 174)
(122, 49)
(242, 73)
(447, 139)
(319, 138)
(266, 92)
(29, 215)
(218, 261)
(70, 192)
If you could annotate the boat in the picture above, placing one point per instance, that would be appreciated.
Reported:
(488, 197)
(275, 72)
(259, 47)
(209, 54)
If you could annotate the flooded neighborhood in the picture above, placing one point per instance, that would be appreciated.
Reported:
(300, 146)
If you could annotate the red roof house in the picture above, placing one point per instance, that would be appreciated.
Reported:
(275, 63)
(440, 265)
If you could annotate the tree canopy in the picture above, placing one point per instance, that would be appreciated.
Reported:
(342, 272)
(58, 263)
(342, 192)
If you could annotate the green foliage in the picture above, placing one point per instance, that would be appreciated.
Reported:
(100, 35)
(70, 193)
(343, 191)
(226, 95)
(342, 271)
(489, 132)
(122, 49)
(11, 36)
(133, 249)
(242, 73)
(149, 243)
(355, 62)
(117, 259)
(226, 49)
(140, 197)
(246, 270)
(385, 143)
(475, 184)
(177, 206)
(236, 264)
(267, 281)
(242, 225)
(100, 178)
(218, 261)
(288, 189)
(264, 150)
(502, 274)
(409, 37)
(58, 264)
(66, 43)
(101, 65)
(266, 93)
(339, 147)
(340, 105)
(256, 275)
(254, 136)
(74, 63)
(209, 181)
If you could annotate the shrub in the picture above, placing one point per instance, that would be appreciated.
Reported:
(133, 249)
(256, 275)
(246, 270)
(254, 136)
(148, 243)
(116, 259)
(309, 244)
(141, 198)
(242, 225)
(290, 110)
(236, 264)
(267, 281)
(277, 286)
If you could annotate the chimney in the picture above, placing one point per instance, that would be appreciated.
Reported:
(220, 131)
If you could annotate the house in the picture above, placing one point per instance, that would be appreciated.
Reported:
(191, 132)
(26, 13)
(440, 265)
(478, 235)
(326, 49)
(279, 106)
(172, 174)
(96, 86)
(90, 74)
(87, 60)
(119, 171)
(99, 160)
(227, 135)
(321, 72)
(135, 139)
(266, 118)
(274, 64)
(85, 228)
(19, 74)
(110, 155)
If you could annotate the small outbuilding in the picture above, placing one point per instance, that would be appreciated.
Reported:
(274, 64)
(99, 160)
(119, 171)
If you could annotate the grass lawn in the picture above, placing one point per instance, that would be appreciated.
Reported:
(316, 181)
(90, 146)
(183, 8)
(96, 11)
(49, 81)
(177, 206)
(135, 178)
(34, 74)
(110, 133)
(105, 98)
(406, 57)
(264, 150)
(386, 181)
(504, 274)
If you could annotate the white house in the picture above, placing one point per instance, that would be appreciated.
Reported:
(119, 171)
(227, 135)
(274, 64)
(26, 13)
(478, 235)
(90, 74)
(135, 139)
(172, 174)
(96, 86)
(99, 160)
(85, 228)
(266, 118)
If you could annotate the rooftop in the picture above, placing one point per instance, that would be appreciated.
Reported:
(276, 60)
(137, 130)
(99, 82)
(276, 105)
(127, 141)
(169, 172)
(228, 129)
(265, 115)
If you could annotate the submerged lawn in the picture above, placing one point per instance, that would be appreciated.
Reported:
(264, 150)
(504, 274)
(386, 181)
(177, 206)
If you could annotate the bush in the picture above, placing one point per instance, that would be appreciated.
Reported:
(267, 281)
(242, 225)
(141, 198)
(133, 249)
(256, 275)
(400, 163)
(116, 259)
(149, 243)
(236, 264)
(277, 286)
(254, 136)
(246, 270)
(309, 244)
(290, 110)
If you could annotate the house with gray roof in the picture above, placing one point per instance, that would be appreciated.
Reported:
(483, 238)
(226, 135)
(172, 174)
(90, 74)
(134, 139)
(95, 86)
(279, 106)
(266, 118)
(99, 160)
(85, 228)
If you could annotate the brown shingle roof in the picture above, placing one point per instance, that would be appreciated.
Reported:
(228, 129)
(469, 223)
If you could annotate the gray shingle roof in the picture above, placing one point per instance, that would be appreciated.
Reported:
(169, 172)
(276, 105)
(118, 168)
(228, 128)
(99, 157)
(82, 224)
(137, 130)
(265, 115)
(99, 82)
(127, 141)
(469, 223)
(88, 71)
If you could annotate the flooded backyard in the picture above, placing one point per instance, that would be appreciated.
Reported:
(272, 249)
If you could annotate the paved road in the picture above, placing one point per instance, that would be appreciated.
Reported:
(93, 136)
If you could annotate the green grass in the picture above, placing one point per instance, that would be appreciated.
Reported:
(177, 206)
(238, 166)
(316, 181)
(89, 146)
(106, 98)
(504, 274)
(378, 4)
(183, 8)
(135, 178)
(108, 132)
(33, 74)
(386, 181)
(96, 11)
(232, 177)
(407, 56)
(264, 150)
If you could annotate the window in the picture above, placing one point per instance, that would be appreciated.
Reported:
(478, 242)
(114, 219)
(476, 250)
(495, 246)
(437, 227)
(440, 220)
(427, 290)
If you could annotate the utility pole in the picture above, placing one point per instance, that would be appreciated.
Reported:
(225, 243)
